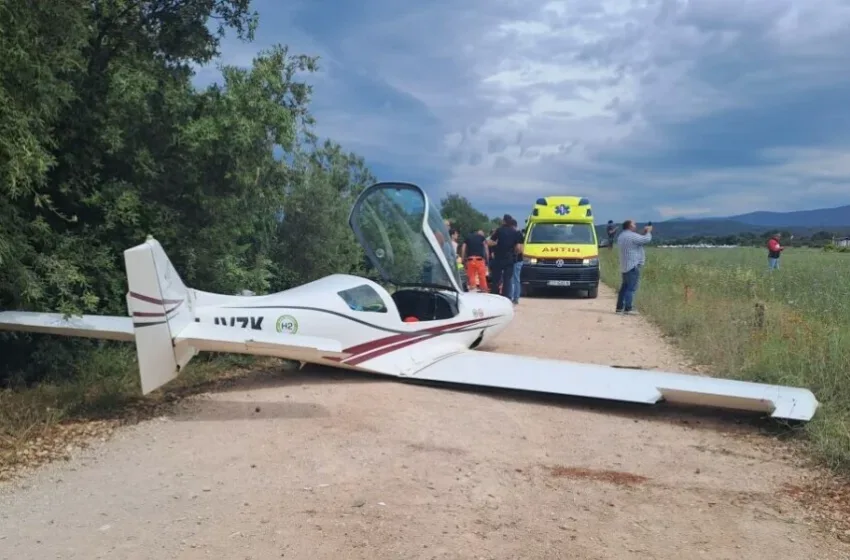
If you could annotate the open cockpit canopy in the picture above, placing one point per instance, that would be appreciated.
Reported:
(405, 238)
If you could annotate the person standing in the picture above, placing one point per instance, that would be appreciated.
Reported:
(504, 242)
(490, 254)
(474, 253)
(516, 283)
(632, 259)
(774, 251)
(611, 231)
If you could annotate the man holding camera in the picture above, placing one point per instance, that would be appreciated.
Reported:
(632, 258)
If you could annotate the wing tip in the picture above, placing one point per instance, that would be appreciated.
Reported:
(801, 406)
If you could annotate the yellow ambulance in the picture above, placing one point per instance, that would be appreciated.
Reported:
(560, 246)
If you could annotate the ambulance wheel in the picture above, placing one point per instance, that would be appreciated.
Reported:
(593, 293)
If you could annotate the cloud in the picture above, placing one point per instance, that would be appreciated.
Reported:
(652, 108)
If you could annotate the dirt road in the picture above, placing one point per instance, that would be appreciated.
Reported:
(326, 465)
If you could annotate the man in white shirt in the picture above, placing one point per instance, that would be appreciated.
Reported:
(632, 258)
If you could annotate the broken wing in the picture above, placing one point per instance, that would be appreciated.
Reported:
(507, 371)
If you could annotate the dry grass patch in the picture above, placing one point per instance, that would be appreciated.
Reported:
(46, 422)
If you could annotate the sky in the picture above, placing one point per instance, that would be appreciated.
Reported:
(653, 109)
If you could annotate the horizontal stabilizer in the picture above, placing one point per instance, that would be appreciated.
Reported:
(220, 338)
(489, 369)
(90, 326)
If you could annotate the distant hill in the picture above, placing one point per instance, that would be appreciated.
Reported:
(823, 218)
(711, 227)
(803, 223)
(684, 229)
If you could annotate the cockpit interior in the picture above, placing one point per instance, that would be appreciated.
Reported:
(413, 304)
(424, 305)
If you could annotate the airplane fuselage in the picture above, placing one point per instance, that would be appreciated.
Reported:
(371, 335)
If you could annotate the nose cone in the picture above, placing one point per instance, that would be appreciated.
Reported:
(498, 310)
(505, 307)
(502, 311)
(498, 306)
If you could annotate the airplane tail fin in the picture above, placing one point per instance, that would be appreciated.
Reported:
(161, 307)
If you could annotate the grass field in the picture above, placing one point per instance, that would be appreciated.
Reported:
(790, 326)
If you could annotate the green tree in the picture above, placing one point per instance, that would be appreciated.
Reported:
(313, 237)
(463, 215)
(106, 141)
(40, 46)
(97, 93)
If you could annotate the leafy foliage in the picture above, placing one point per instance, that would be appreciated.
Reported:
(104, 140)
(463, 216)
(313, 239)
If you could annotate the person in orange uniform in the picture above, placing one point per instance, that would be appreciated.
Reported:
(473, 254)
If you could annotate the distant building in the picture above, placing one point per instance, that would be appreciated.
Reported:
(842, 242)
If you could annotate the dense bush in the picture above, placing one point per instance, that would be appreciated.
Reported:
(104, 140)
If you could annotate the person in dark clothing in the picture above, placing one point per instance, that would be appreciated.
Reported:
(489, 256)
(474, 255)
(611, 231)
(517, 268)
(504, 243)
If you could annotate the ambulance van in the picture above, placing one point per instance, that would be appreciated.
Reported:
(560, 246)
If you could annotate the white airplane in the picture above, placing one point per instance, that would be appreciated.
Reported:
(427, 328)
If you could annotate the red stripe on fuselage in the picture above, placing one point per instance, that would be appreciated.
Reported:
(156, 313)
(154, 300)
(364, 356)
(380, 347)
(377, 343)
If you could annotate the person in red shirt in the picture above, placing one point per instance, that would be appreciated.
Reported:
(774, 251)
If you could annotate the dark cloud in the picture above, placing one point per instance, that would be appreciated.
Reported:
(740, 137)
(661, 104)
(496, 145)
(502, 162)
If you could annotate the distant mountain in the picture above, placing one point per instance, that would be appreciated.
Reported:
(681, 229)
(802, 223)
(669, 231)
(823, 218)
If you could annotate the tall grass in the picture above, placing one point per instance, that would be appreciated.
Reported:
(790, 326)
